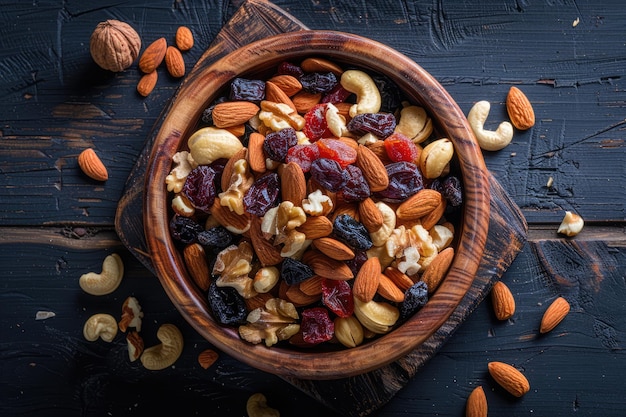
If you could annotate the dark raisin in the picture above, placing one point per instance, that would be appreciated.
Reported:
(247, 90)
(316, 325)
(357, 262)
(337, 296)
(184, 229)
(405, 179)
(351, 232)
(356, 188)
(294, 271)
(389, 93)
(288, 68)
(216, 238)
(415, 298)
(329, 174)
(262, 195)
(207, 114)
(452, 190)
(303, 155)
(227, 306)
(199, 187)
(379, 124)
(277, 144)
(317, 82)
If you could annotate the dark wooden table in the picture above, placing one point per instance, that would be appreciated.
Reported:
(568, 57)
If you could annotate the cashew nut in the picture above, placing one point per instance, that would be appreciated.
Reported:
(414, 123)
(380, 236)
(165, 354)
(378, 317)
(105, 282)
(336, 122)
(571, 225)
(265, 279)
(349, 331)
(182, 206)
(210, 143)
(435, 157)
(488, 140)
(102, 326)
(368, 98)
(257, 407)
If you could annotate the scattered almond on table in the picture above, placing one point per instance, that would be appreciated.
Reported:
(555, 314)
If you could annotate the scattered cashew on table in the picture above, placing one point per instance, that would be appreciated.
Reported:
(257, 407)
(488, 140)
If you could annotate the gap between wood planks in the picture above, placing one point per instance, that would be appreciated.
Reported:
(105, 237)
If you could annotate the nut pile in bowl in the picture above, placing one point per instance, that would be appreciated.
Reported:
(314, 208)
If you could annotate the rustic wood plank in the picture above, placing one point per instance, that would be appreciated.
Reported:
(581, 65)
(55, 101)
(97, 377)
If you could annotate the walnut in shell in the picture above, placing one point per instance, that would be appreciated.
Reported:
(114, 45)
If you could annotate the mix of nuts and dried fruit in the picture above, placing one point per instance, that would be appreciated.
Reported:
(315, 205)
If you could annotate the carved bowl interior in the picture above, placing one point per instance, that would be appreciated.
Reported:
(421, 88)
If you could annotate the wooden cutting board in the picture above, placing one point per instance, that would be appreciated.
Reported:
(363, 394)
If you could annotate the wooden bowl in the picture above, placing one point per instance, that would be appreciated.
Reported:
(422, 89)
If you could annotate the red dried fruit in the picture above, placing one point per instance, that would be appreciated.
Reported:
(400, 148)
(337, 151)
(337, 296)
(316, 326)
(315, 122)
(303, 155)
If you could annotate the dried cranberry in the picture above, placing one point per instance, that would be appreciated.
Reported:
(400, 148)
(351, 232)
(317, 82)
(303, 155)
(329, 174)
(337, 150)
(356, 188)
(337, 296)
(294, 272)
(277, 144)
(379, 124)
(405, 179)
(315, 122)
(316, 325)
(247, 90)
(227, 305)
(336, 95)
(288, 68)
(415, 298)
(199, 187)
(184, 229)
(262, 195)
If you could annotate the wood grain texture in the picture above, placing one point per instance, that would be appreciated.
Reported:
(55, 102)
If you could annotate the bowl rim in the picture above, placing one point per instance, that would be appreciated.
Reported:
(201, 87)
